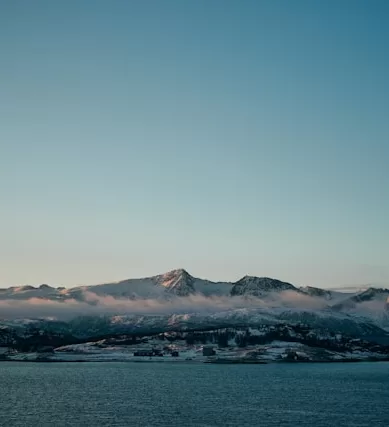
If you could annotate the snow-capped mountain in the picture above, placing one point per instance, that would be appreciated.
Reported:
(329, 295)
(179, 283)
(33, 318)
(28, 292)
(371, 295)
(260, 286)
(178, 300)
(372, 303)
(174, 283)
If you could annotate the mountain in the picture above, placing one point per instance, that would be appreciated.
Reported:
(372, 303)
(174, 283)
(260, 286)
(179, 283)
(177, 301)
(28, 292)
(372, 298)
(28, 336)
(329, 295)
(179, 293)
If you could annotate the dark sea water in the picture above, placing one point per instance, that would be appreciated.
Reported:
(175, 395)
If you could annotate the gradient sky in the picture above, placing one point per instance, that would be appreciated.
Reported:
(223, 137)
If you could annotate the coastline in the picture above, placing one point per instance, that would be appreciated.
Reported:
(217, 361)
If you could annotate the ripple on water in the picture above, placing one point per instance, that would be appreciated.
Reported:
(175, 395)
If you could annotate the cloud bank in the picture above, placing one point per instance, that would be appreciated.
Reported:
(94, 305)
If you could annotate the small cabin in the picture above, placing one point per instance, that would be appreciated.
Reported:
(208, 351)
(144, 353)
(149, 353)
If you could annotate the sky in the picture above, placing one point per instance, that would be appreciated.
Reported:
(224, 137)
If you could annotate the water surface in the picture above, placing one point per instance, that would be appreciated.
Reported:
(176, 395)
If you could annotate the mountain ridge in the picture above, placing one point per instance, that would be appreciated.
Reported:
(178, 282)
(178, 301)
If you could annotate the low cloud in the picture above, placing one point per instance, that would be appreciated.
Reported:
(300, 300)
(95, 305)
(106, 305)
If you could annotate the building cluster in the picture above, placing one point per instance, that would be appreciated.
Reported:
(207, 351)
(154, 353)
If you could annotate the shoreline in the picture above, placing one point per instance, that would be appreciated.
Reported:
(208, 362)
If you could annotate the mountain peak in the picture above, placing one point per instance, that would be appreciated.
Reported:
(370, 294)
(257, 286)
(178, 272)
(179, 282)
(316, 292)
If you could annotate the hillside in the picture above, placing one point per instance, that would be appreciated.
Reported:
(177, 301)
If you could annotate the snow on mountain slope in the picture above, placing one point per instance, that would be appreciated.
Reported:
(27, 292)
(260, 286)
(372, 303)
(84, 327)
(331, 296)
(371, 295)
(179, 292)
(147, 287)
(174, 283)
(181, 283)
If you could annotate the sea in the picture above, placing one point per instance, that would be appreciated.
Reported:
(185, 394)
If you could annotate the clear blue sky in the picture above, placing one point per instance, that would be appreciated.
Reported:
(224, 137)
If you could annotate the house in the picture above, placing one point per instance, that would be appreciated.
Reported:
(157, 352)
(149, 353)
(175, 354)
(208, 351)
(144, 353)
